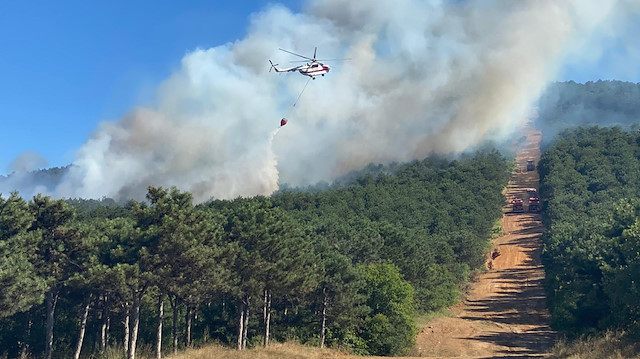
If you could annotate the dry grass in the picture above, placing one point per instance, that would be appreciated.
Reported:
(608, 346)
(276, 350)
(423, 319)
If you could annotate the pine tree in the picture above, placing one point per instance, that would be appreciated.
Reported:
(55, 244)
(20, 286)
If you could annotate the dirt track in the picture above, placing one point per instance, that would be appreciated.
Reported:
(504, 312)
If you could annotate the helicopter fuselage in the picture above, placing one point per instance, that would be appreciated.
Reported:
(314, 69)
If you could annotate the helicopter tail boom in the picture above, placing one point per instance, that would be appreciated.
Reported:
(274, 67)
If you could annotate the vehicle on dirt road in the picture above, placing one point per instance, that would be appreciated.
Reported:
(534, 204)
(530, 165)
(517, 205)
(534, 200)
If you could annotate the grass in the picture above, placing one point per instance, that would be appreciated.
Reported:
(276, 350)
(609, 345)
(423, 319)
(496, 230)
(288, 350)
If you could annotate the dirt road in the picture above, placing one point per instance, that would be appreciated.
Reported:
(504, 313)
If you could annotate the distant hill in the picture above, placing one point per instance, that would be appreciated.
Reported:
(48, 179)
(602, 103)
(563, 105)
(25, 182)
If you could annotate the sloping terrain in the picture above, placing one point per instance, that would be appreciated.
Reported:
(504, 312)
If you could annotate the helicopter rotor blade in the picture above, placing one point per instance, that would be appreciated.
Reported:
(314, 53)
(345, 59)
(319, 60)
(293, 53)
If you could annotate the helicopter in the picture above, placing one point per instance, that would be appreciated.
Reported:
(312, 68)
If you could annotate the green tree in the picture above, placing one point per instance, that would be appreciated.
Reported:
(55, 245)
(338, 295)
(389, 329)
(268, 256)
(20, 287)
(590, 248)
(187, 261)
(87, 280)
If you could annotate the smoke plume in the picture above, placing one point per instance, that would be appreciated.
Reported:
(27, 161)
(424, 77)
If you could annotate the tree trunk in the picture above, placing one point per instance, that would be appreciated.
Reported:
(246, 323)
(135, 324)
(159, 332)
(207, 330)
(98, 341)
(125, 323)
(104, 325)
(51, 301)
(83, 327)
(187, 323)
(224, 305)
(206, 333)
(107, 330)
(240, 324)
(24, 347)
(323, 327)
(174, 330)
(266, 316)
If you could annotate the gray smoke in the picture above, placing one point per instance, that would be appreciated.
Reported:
(27, 161)
(425, 76)
(602, 103)
(28, 176)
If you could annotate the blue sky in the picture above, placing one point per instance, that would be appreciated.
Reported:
(66, 66)
(607, 55)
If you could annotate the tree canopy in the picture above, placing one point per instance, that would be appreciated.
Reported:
(347, 265)
(590, 183)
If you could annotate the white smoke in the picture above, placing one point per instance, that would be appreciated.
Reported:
(425, 76)
(611, 48)
(26, 175)
(27, 161)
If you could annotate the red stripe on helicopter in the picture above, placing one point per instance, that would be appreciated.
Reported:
(309, 72)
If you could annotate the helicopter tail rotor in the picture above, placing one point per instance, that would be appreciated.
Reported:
(272, 66)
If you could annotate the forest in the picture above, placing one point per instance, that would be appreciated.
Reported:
(601, 103)
(346, 266)
(590, 184)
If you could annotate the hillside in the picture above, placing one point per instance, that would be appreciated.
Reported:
(504, 312)
(591, 185)
(346, 267)
(27, 182)
(563, 105)
(602, 103)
